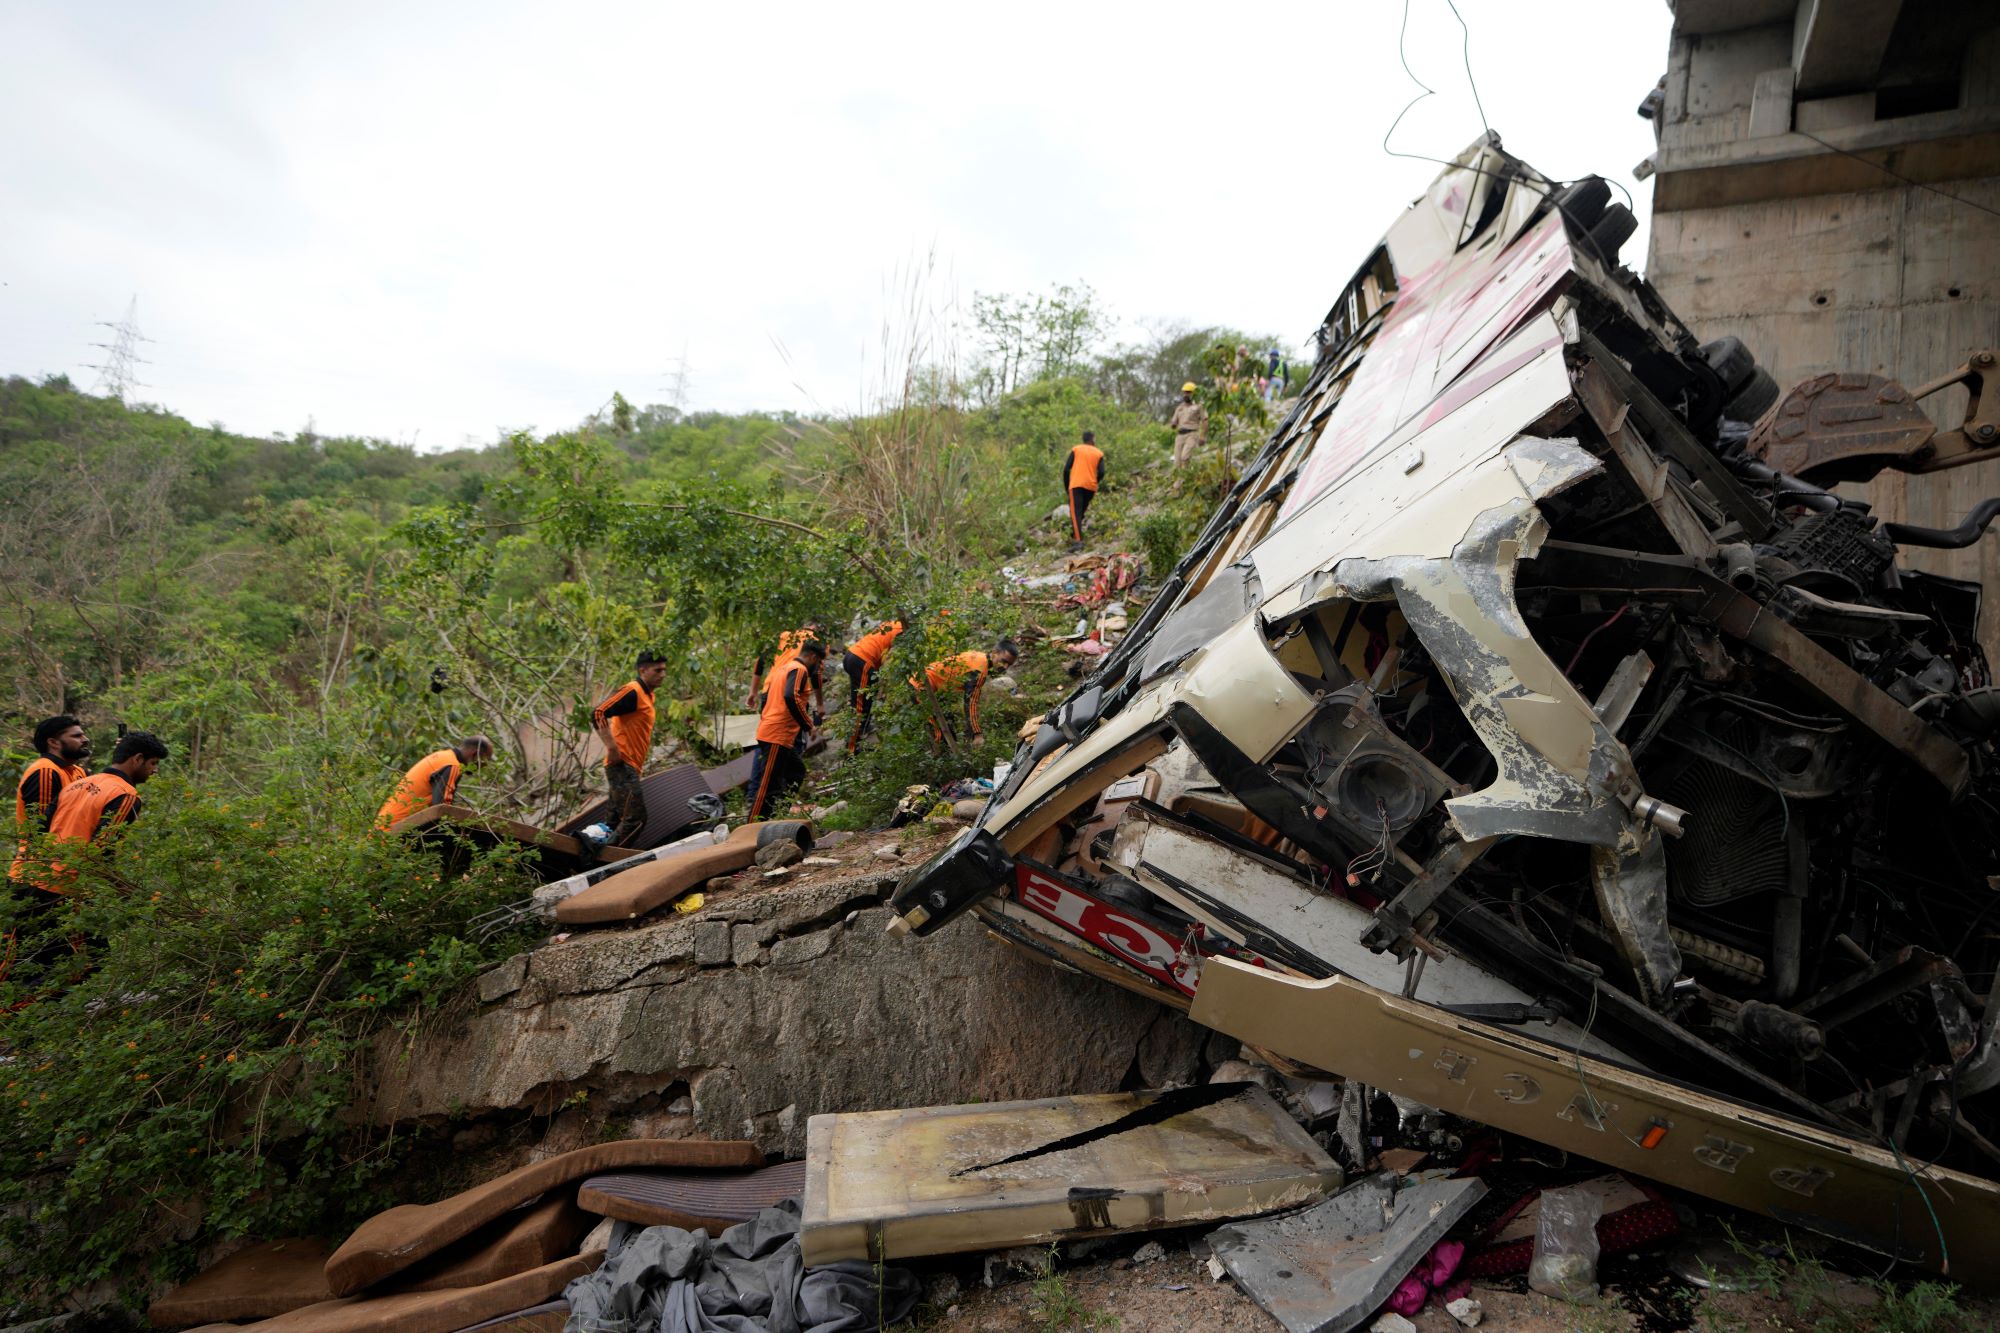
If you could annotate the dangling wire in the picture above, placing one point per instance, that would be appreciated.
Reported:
(1402, 54)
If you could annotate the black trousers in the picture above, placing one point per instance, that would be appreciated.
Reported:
(628, 804)
(1079, 501)
(775, 770)
(860, 695)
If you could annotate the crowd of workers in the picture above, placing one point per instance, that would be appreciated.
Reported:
(58, 797)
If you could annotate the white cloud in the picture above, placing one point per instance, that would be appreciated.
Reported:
(432, 221)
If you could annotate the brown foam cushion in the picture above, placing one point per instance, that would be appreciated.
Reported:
(716, 1200)
(525, 1238)
(435, 1311)
(393, 1241)
(635, 892)
(548, 1317)
(254, 1283)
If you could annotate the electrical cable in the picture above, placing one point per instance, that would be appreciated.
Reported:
(1465, 50)
(1866, 162)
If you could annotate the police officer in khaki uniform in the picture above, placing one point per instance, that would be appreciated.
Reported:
(1190, 423)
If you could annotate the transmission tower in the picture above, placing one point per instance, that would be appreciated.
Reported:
(117, 372)
(677, 380)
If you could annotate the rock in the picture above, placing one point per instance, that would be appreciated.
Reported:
(711, 943)
(1242, 1071)
(1391, 1322)
(599, 1237)
(1466, 1311)
(1170, 1053)
(968, 808)
(942, 1289)
(1216, 1272)
(819, 861)
(1024, 1261)
(496, 983)
(797, 949)
(744, 946)
(1006, 684)
(779, 854)
(891, 853)
(837, 1016)
(719, 883)
(1151, 1252)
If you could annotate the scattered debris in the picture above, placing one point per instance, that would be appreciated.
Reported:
(933, 1180)
(1151, 1252)
(1466, 1311)
(1391, 1322)
(778, 855)
(1023, 1261)
(1327, 1268)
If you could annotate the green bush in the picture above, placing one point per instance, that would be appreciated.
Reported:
(1161, 540)
(247, 952)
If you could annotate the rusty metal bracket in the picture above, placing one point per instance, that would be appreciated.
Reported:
(1850, 427)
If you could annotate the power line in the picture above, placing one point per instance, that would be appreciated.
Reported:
(116, 374)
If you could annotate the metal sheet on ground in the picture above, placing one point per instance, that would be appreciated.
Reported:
(1801, 1174)
(1329, 1268)
(948, 1179)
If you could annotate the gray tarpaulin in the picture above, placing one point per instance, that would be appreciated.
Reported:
(750, 1279)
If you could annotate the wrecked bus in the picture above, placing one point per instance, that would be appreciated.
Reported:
(1535, 734)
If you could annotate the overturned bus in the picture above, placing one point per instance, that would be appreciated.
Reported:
(1535, 734)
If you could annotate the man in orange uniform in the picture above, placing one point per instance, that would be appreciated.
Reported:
(967, 673)
(624, 722)
(433, 779)
(60, 748)
(789, 643)
(93, 806)
(1082, 471)
(863, 662)
(785, 722)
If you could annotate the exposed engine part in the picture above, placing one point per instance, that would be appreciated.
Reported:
(1965, 534)
(1779, 1031)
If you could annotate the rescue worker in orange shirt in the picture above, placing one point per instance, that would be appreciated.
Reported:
(783, 728)
(91, 807)
(966, 673)
(1082, 471)
(624, 722)
(789, 643)
(60, 748)
(863, 662)
(433, 780)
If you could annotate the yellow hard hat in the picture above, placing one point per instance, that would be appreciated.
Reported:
(1188, 387)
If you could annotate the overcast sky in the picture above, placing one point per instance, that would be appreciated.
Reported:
(430, 222)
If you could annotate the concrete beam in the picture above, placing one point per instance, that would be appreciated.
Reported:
(1837, 45)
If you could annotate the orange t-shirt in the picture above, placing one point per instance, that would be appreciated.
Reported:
(419, 788)
(1086, 461)
(41, 785)
(778, 724)
(629, 710)
(872, 648)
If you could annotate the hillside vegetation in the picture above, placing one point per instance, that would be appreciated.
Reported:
(301, 618)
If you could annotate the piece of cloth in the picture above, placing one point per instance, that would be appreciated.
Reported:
(430, 781)
(1432, 1273)
(628, 803)
(1079, 503)
(1190, 425)
(1083, 468)
(397, 1238)
(774, 771)
(788, 694)
(629, 711)
(750, 1279)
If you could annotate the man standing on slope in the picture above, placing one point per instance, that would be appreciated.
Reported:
(60, 749)
(433, 780)
(1082, 471)
(782, 728)
(1190, 423)
(624, 722)
(863, 662)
